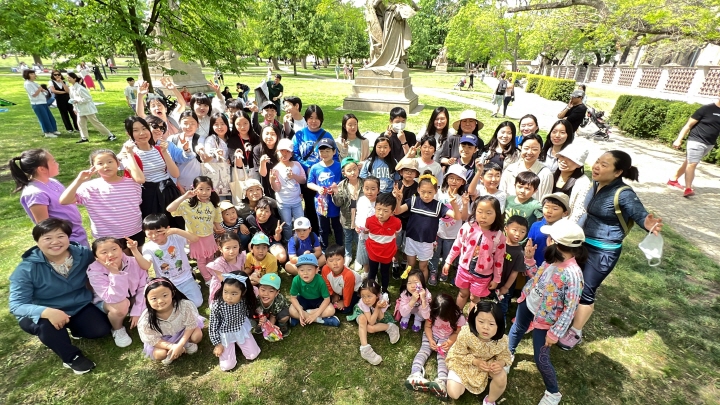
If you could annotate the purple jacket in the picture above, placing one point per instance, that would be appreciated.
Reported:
(114, 288)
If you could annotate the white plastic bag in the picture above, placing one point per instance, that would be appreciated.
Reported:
(652, 246)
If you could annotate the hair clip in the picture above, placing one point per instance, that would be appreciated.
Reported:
(406, 273)
(432, 178)
(235, 277)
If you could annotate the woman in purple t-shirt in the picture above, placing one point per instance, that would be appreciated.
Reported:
(33, 172)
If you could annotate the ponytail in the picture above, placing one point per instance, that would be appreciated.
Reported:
(23, 167)
(623, 162)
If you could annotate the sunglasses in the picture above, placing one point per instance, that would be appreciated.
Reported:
(57, 74)
(158, 126)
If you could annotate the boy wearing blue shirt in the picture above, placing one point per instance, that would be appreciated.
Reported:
(555, 207)
(303, 242)
(323, 178)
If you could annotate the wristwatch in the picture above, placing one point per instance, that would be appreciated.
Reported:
(404, 144)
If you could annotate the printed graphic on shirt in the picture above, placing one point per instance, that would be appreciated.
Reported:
(169, 261)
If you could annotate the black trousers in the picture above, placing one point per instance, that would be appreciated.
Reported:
(310, 212)
(69, 118)
(506, 101)
(384, 273)
(89, 322)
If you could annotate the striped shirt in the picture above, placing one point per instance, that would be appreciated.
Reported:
(153, 165)
(114, 208)
(381, 245)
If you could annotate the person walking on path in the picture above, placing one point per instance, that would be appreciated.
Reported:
(575, 111)
(509, 95)
(704, 128)
(500, 94)
(85, 109)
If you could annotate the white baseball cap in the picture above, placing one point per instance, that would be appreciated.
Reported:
(301, 223)
(565, 232)
(576, 153)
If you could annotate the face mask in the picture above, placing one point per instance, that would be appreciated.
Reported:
(398, 126)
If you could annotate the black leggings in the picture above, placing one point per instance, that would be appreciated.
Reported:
(89, 322)
(384, 273)
(506, 101)
(67, 113)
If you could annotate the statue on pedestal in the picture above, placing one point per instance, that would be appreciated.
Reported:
(389, 34)
(442, 56)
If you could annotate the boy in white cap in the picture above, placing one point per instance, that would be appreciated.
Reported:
(303, 242)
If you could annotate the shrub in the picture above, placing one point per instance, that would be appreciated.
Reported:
(644, 117)
(549, 87)
(532, 83)
(621, 105)
(675, 118)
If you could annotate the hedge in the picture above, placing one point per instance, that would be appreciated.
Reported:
(646, 117)
(549, 87)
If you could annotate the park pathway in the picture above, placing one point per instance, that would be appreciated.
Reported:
(695, 218)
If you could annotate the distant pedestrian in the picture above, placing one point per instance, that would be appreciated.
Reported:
(99, 77)
(499, 93)
(472, 80)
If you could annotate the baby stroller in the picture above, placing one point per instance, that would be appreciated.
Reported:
(460, 85)
(596, 117)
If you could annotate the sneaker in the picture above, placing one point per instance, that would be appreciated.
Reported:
(416, 327)
(674, 183)
(437, 387)
(83, 140)
(417, 382)
(166, 361)
(569, 341)
(396, 270)
(56, 132)
(80, 364)
(190, 348)
(284, 329)
(50, 135)
(369, 354)
(393, 332)
(486, 402)
(689, 192)
(404, 323)
(331, 321)
(111, 137)
(507, 368)
(348, 260)
(257, 330)
(122, 339)
(433, 278)
(443, 277)
(550, 399)
(294, 322)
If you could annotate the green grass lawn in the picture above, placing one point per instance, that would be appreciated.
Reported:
(654, 339)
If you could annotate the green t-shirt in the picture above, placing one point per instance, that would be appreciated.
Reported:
(310, 291)
(530, 209)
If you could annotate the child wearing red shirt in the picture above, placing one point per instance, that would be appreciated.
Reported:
(382, 229)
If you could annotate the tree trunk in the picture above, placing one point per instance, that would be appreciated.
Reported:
(625, 53)
(141, 51)
(274, 62)
(257, 59)
(37, 59)
(303, 61)
(112, 60)
(294, 62)
(327, 61)
(598, 58)
(202, 63)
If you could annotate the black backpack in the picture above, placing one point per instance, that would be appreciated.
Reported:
(502, 86)
(297, 242)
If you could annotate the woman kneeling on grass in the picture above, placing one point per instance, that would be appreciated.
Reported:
(48, 293)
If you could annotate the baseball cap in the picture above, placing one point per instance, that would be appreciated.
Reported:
(471, 139)
(327, 143)
(225, 205)
(347, 161)
(307, 258)
(301, 223)
(578, 93)
(285, 144)
(562, 197)
(575, 152)
(260, 239)
(565, 232)
(457, 170)
(269, 104)
(271, 279)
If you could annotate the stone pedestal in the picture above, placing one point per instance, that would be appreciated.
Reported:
(441, 68)
(381, 93)
(193, 78)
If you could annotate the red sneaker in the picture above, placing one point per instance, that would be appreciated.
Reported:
(688, 192)
(674, 183)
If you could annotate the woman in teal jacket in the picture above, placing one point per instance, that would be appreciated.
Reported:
(49, 294)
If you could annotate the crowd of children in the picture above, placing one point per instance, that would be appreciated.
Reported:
(454, 222)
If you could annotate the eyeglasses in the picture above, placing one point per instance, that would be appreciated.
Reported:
(158, 126)
(57, 74)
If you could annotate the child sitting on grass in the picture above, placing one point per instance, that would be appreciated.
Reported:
(414, 300)
(342, 283)
(273, 305)
(260, 261)
(372, 317)
(309, 296)
(230, 220)
(231, 259)
(303, 242)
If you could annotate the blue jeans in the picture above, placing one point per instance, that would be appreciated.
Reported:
(350, 236)
(441, 252)
(325, 225)
(505, 303)
(47, 121)
(288, 213)
(541, 353)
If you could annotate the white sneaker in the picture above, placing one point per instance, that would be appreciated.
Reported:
(348, 260)
(166, 361)
(50, 135)
(56, 132)
(190, 348)
(393, 332)
(122, 339)
(507, 368)
(417, 382)
(369, 354)
(550, 399)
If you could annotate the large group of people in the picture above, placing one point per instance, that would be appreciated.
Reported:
(439, 207)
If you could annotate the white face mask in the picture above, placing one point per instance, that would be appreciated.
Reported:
(398, 126)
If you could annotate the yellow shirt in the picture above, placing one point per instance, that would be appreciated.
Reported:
(266, 265)
(199, 219)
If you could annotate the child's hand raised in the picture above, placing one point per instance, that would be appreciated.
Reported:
(128, 146)
(530, 249)
(412, 152)
(85, 175)
(189, 194)
(218, 350)
(279, 227)
(466, 199)
(131, 244)
(144, 88)
(213, 86)
(398, 191)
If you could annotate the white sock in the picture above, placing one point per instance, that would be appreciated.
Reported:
(577, 331)
(319, 320)
(364, 347)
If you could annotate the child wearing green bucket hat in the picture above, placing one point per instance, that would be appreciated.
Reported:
(260, 261)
